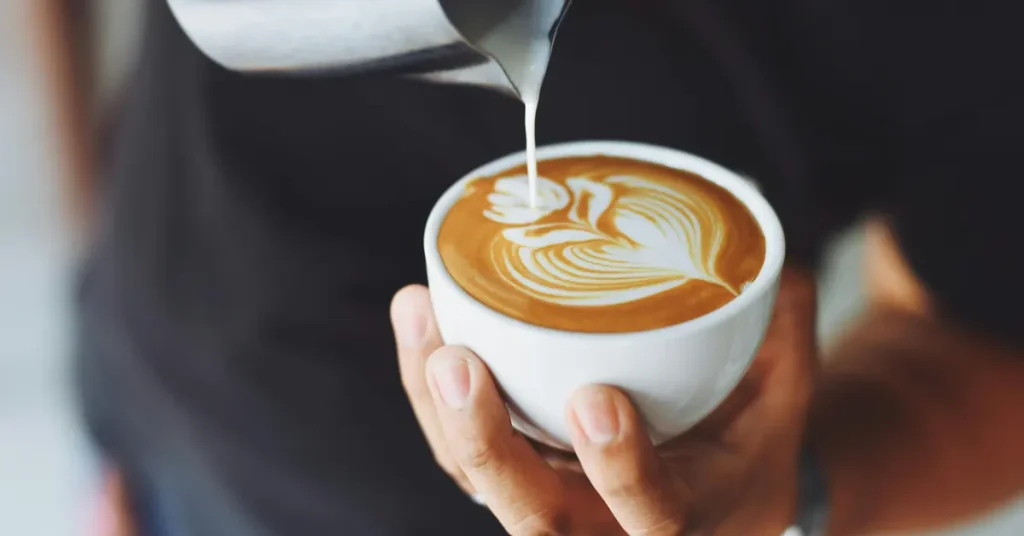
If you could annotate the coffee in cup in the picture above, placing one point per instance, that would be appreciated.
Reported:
(612, 245)
(641, 267)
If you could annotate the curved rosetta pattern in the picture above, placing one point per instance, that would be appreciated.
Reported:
(613, 245)
(624, 239)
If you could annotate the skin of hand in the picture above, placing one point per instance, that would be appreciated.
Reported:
(110, 513)
(734, 473)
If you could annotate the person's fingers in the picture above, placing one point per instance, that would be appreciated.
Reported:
(522, 491)
(620, 461)
(790, 350)
(111, 517)
(416, 337)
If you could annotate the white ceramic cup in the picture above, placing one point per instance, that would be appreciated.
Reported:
(675, 375)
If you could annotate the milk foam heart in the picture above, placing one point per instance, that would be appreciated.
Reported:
(626, 239)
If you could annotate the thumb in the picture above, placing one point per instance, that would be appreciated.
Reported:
(619, 460)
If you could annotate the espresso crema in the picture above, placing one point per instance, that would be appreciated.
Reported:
(613, 245)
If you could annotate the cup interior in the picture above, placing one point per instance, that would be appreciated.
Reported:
(743, 189)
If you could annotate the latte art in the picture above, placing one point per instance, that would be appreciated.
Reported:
(626, 239)
(606, 235)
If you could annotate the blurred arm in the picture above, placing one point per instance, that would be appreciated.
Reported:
(64, 41)
(917, 425)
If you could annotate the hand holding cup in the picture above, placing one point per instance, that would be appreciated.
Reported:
(734, 473)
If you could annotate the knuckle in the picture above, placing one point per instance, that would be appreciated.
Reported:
(627, 479)
(627, 485)
(477, 454)
(624, 487)
(665, 527)
(549, 522)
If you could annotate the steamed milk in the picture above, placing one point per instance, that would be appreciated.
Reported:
(517, 34)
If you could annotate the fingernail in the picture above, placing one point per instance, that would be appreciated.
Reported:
(451, 375)
(597, 416)
(411, 328)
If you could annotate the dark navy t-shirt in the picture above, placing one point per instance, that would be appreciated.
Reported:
(236, 352)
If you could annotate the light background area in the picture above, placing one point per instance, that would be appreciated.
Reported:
(46, 471)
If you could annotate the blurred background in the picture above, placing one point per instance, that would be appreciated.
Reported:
(44, 470)
(47, 474)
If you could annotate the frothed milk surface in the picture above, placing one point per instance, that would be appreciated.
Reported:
(612, 245)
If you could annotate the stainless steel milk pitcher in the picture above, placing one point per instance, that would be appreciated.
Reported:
(480, 42)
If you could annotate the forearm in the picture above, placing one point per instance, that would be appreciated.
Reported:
(917, 426)
(64, 43)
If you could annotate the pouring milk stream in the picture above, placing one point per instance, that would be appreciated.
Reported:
(521, 43)
(500, 44)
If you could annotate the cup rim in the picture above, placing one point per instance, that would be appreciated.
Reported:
(742, 188)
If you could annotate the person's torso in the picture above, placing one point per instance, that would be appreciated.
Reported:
(256, 226)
